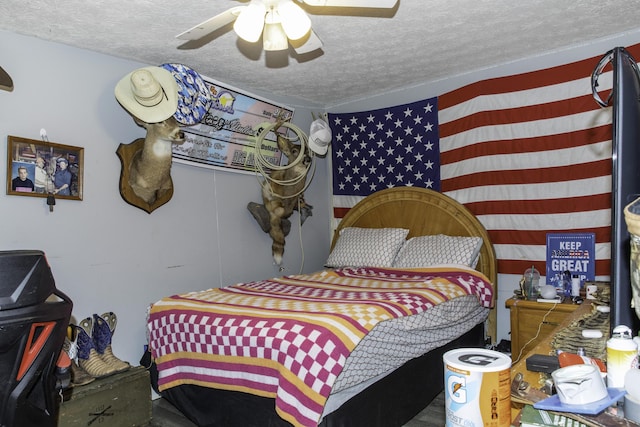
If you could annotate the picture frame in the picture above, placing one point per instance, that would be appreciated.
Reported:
(43, 169)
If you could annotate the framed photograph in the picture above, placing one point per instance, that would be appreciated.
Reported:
(39, 168)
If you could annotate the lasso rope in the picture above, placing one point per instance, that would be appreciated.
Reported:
(261, 163)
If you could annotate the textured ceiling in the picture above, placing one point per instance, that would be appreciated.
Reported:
(418, 41)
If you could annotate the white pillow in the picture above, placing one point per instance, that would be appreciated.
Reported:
(367, 247)
(425, 251)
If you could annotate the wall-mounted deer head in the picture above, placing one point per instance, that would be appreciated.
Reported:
(150, 95)
(150, 169)
(146, 165)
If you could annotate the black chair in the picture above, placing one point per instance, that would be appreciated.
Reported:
(34, 316)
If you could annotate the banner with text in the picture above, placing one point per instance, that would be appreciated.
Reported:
(225, 138)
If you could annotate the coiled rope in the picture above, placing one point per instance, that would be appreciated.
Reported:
(262, 164)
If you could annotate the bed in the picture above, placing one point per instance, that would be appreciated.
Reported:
(367, 384)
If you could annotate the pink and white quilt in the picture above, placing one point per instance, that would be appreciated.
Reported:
(288, 338)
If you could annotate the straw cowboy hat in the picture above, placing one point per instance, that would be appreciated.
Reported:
(149, 93)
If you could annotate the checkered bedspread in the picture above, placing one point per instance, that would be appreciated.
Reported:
(288, 338)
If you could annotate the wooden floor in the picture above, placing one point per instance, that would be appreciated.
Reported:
(165, 415)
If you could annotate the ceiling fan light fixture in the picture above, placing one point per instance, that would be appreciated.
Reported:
(274, 37)
(295, 22)
(249, 24)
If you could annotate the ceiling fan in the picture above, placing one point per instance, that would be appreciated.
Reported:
(279, 22)
(6, 83)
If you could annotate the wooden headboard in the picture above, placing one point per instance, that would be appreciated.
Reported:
(425, 212)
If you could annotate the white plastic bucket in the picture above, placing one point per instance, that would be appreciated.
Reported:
(477, 385)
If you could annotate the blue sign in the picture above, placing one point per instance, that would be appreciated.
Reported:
(572, 252)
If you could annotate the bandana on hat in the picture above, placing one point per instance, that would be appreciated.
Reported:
(194, 98)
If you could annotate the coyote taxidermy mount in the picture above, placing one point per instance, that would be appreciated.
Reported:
(282, 193)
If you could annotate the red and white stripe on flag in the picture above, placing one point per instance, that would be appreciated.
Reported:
(530, 154)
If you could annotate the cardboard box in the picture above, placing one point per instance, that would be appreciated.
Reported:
(121, 400)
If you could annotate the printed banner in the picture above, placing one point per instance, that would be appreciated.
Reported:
(225, 138)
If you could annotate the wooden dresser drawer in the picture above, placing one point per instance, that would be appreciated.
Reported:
(529, 316)
(529, 322)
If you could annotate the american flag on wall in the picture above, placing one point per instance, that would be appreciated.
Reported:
(528, 154)
(390, 147)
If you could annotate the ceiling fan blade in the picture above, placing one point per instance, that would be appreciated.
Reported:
(376, 4)
(5, 81)
(211, 24)
(306, 44)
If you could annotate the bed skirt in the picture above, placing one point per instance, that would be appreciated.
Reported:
(391, 401)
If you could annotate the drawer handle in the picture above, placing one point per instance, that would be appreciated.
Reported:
(550, 323)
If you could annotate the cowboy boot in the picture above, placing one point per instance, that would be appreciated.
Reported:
(102, 335)
(70, 346)
(88, 358)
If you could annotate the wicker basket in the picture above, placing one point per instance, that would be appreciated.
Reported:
(632, 217)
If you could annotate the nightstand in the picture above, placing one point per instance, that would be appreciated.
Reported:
(526, 318)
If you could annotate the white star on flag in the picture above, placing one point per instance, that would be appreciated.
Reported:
(390, 147)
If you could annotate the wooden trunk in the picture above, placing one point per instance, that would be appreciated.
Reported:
(121, 400)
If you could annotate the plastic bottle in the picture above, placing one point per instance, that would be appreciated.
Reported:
(575, 285)
(637, 341)
(566, 284)
(531, 283)
(622, 355)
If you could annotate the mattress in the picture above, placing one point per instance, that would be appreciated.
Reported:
(298, 338)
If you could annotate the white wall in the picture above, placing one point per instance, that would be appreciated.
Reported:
(506, 283)
(107, 255)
